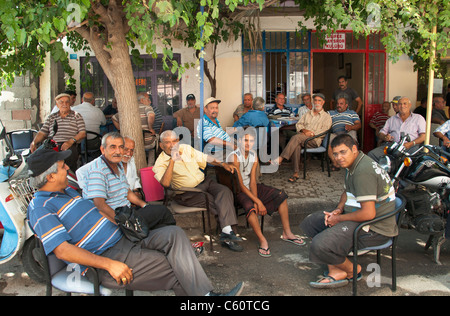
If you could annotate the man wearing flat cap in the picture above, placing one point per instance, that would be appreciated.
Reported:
(213, 133)
(312, 123)
(71, 130)
(76, 231)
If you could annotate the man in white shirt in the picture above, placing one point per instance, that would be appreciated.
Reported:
(129, 166)
(93, 117)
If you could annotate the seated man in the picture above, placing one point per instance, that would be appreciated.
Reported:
(71, 130)
(368, 194)
(130, 167)
(180, 166)
(279, 108)
(345, 121)
(403, 122)
(256, 117)
(257, 198)
(77, 232)
(93, 118)
(443, 133)
(312, 123)
(106, 184)
(243, 108)
(187, 115)
(212, 134)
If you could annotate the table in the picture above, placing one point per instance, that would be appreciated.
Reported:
(283, 121)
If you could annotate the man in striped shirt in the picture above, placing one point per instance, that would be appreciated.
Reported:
(71, 130)
(105, 182)
(344, 121)
(212, 134)
(77, 232)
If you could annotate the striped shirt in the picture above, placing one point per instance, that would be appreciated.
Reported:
(102, 182)
(58, 217)
(68, 127)
(211, 130)
(340, 119)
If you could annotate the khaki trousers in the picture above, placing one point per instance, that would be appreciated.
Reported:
(294, 147)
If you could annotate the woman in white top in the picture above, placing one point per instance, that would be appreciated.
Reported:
(256, 198)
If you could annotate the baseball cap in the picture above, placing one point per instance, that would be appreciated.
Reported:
(396, 99)
(211, 99)
(320, 95)
(42, 159)
(190, 97)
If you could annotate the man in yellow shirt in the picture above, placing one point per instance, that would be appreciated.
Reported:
(179, 166)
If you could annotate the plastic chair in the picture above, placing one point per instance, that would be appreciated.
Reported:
(400, 203)
(61, 276)
(322, 149)
(21, 139)
(177, 208)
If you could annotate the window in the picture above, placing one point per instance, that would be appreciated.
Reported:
(280, 64)
(150, 77)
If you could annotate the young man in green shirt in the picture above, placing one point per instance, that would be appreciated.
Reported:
(368, 194)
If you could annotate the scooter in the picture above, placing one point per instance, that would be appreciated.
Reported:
(15, 195)
(423, 178)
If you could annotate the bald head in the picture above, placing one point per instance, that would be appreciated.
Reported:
(89, 97)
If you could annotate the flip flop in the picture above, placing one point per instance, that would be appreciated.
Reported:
(265, 255)
(293, 179)
(333, 284)
(296, 241)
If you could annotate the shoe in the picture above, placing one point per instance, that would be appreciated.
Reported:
(236, 291)
(232, 245)
(229, 237)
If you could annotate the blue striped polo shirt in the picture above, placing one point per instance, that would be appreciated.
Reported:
(348, 117)
(102, 182)
(211, 130)
(57, 217)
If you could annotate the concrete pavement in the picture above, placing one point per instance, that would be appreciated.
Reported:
(288, 271)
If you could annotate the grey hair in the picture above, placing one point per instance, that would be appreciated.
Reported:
(166, 134)
(258, 103)
(114, 135)
(41, 180)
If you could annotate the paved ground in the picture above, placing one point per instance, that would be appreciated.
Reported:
(288, 272)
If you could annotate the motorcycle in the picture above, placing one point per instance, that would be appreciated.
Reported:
(423, 178)
(15, 195)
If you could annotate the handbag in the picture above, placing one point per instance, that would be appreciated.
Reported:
(132, 224)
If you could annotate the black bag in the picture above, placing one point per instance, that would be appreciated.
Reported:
(132, 225)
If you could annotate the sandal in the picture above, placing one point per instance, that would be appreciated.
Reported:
(332, 284)
(293, 179)
(296, 241)
(266, 253)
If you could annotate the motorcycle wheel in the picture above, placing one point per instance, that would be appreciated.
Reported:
(31, 266)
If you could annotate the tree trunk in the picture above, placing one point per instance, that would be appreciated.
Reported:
(112, 52)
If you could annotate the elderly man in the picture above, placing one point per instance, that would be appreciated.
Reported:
(243, 108)
(76, 231)
(312, 123)
(306, 99)
(105, 182)
(179, 166)
(344, 121)
(279, 108)
(147, 115)
(438, 114)
(187, 115)
(256, 117)
(71, 130)
(93, 117)
(213, 134)
(129, 166)
(368, 194)
(403, 122)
